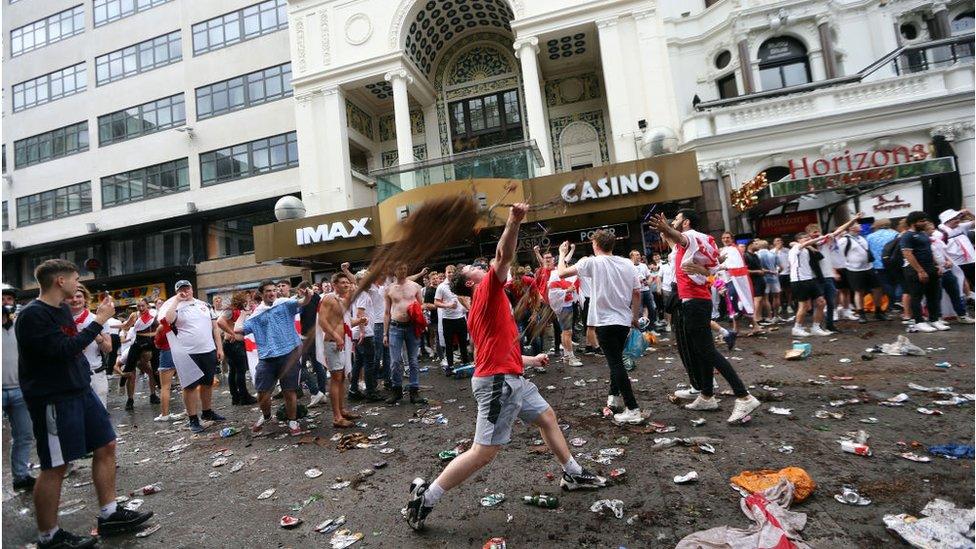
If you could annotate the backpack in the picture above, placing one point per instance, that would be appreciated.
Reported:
(891, 256)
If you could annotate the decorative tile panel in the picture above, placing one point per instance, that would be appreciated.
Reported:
(566, 46)
(392, 157)
(572, 89)
(594, 118)
(441, 20)
(359, 120)
(387, 125)
(479, 63)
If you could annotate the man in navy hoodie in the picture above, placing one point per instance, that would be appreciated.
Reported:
(69, 420)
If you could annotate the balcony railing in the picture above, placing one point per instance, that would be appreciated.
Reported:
(518, 160)
(904, 60)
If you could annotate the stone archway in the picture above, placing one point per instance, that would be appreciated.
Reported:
(579, 145)
(407, 10)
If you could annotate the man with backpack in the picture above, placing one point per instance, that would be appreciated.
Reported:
(893, 261)
(860, 272)
(881, 235)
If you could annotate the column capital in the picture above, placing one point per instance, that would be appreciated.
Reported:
(527, 43)
(824, 19)
(832, 147)
(727, 166)
(945, 130)
(398, 74)
(708, 170)
(939, 6)
(643, 14)
(607, 22)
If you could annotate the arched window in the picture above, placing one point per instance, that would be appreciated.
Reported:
(963, 23)
(783, 62)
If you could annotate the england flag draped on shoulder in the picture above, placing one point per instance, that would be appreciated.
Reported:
(738, 275)
(186, 369)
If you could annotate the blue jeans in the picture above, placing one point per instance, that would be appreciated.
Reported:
(400, 336)
(319, 381)
(647, 302)
(381, 354)
(951, 286)
(363, 362)
(21, 428)
(830, 296)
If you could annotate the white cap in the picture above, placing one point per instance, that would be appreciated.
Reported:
(947, 215)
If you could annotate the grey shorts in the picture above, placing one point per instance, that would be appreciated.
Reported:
(772, 284)
(336, 360)
(565, 319)
(282, 369)
(502, 398)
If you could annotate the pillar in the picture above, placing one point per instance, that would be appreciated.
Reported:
(527, 50)
(323, 147)
(942, 27)
(615, 78)
(827, 47)
(399, 80)
(745, 67)
(660, 102)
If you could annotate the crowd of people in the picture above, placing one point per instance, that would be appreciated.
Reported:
(489, 319)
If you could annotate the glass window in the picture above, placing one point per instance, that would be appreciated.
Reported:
(144, 56)
(783, 62)
(963, 23)
(57, 203)
(49, 87)
(278, 152)
(486, 121)
(243, 24)
(6, 216)
(244, 91)
(49, 30)
(145, 183)
(235, 236)
(153, 251)
(723, 59)
(140, 120)
(51, 145)
(727, 87)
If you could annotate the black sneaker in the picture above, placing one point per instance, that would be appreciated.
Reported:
(729, 339)
(153, 399)
(26, 483)
(196, 427)
(416, 510)
(373, 397)
(121, 521)
(355, 396)
(129, 405)
(210, 415)
(583, 481)
(597, 351)
(66, 540)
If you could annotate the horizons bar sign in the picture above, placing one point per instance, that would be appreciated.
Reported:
(328, 232)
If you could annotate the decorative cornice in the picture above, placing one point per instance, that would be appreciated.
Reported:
(529, 42)
(832, 147)
(607, 22)
(644, 14)
(727, 166)
(953, 131)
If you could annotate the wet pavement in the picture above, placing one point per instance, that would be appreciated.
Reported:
(201, 505)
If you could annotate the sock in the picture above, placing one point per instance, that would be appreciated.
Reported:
(723, 331)
(45, 537)
(108, 509)
(433, 494)
(572, 467)
(206, 413)
(194, 419)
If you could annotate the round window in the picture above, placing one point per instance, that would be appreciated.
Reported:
(723, 59)
(908, 31)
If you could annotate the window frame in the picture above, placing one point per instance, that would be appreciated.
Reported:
(135, 54)
(138, 6)
(139, 178)
(109, 120)
(237, 20)
(504, 124)
(780, 64)
(50, 198)
(74, 14)
(22, 147)
(727, 79)
(211, 161)
(209, 91)
(47, 81)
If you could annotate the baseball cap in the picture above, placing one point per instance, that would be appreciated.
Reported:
(182, 283)
(947, 215)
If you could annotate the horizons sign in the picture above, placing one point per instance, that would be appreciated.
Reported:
(328, 232)
(613, 186)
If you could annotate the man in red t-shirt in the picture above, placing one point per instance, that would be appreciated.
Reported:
(502, 393)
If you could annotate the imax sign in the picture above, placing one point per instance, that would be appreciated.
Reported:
(328, 232)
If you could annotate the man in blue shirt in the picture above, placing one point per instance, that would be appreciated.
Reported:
(279, 349)
(882, 234)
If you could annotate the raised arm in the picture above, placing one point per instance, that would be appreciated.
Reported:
(538, 256)
(418, 276)
(505, 251)
(663, 226)
(843, 228)
(562, 269)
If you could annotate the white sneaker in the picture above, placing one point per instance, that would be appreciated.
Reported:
(702, 403)
(629, 416)
(316, 399)
(922, 327)
(798, 331)
(444, 363)
(743, 408)
(687, 393)
(616, 402)
(258, 425)
(940, 325)
(966, 319)
(571, 360)
(162, 417)
(818, 331)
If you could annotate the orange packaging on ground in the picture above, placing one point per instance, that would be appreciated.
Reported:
(757, 481)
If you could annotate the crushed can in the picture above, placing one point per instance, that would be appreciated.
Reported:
(448, 455)
(495, 543)
(857, 448)
(542, 500)
(617, 474)
(148, 489)
(464, 371)
(227, 432)
(492, 500)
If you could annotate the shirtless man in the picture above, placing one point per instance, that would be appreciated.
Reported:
(398, 330)
(335, 320)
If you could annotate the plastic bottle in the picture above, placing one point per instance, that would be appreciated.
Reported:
(542, 500)
(852, 447)
(463, 371)
(229, 432)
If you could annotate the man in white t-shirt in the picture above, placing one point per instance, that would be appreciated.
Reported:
(955, 226)
(93, 352)
(362, 338)
(197, 333)
(860, 272)
(615, 308)
(643, 276)
(452, 316)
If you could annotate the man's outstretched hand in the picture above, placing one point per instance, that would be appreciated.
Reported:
(518, 211)
(659, 222)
